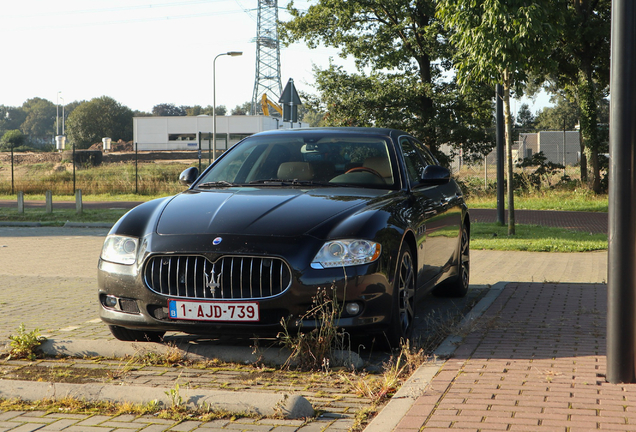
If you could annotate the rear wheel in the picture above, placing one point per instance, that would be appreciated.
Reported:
(457, 286)
(128, 335)
(403, 300)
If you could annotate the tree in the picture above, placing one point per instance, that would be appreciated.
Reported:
(553, 118)
(499, 41)
(525, 118)
(11, 118)
(98, 118)
(243, 109)
(221, 110)
(12, 139)
(168, 110)
(582, 54)
(39, 123)
(400, 43)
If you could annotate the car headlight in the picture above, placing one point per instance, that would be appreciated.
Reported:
(342, 253)
(120, 249)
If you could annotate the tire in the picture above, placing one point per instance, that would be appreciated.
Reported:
(128, 335)
(458, 285)
(403, 311)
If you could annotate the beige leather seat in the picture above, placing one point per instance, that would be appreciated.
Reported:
(295, 171)
(381, 165)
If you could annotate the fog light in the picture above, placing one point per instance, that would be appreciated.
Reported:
(110, 301)
(352, 308)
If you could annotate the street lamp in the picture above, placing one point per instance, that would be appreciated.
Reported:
(57, 114)
(62, 99)
(231, 54)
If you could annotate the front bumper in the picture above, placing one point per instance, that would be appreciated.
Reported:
(138, 307)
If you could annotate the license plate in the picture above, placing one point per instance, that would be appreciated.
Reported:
(213, 311)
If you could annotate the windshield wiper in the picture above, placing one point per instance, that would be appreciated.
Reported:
(221, 183)
(291, 182)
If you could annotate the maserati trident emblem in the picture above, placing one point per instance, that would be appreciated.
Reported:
(213, 283)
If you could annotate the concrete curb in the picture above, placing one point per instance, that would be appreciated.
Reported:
(400, 404)
(79, 348)
(20, 224)
(285, 405)
(69, 224)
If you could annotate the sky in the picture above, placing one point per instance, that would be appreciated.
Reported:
(143, 52)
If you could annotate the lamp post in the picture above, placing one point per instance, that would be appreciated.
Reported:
(62, 99)
(57, 114)
(231, 54)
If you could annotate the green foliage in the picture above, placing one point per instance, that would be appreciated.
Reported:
(24, 343)
(40, 118)
(498, 37)
(312, 350)
(542, 174)
(98, 118)
(552, 118)
(403, 45)
(168, 109)
(561, 198)
(525, 119)
(243, 109)
(12, 139)
(582, 56)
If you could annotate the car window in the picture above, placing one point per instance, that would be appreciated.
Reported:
(347, 159)
(413, 161)
(425, 152)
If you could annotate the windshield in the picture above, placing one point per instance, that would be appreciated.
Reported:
(327, 159)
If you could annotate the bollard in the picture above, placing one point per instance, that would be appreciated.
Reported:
(49, 201)
(79, 207)
(20, 202)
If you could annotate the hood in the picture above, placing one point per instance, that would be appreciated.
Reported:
(259, 211)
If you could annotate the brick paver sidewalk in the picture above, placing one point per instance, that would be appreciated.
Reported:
(535, 362)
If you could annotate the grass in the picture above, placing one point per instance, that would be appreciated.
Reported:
(59, 217)
(118, 178)
(103, 197)
(552, 199)
(534, 238)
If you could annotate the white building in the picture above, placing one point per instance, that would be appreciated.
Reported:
(192, 133)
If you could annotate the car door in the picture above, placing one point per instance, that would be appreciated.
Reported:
(435, 220)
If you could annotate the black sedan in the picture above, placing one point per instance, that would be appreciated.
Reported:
(367, 212)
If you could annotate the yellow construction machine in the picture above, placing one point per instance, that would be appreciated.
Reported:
(266, 104)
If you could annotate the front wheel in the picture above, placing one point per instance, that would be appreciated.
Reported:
(128, 335)
(457, 286)
(403, 300)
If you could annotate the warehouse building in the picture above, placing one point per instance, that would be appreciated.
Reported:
(195, 132)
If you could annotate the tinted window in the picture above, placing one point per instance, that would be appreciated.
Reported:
(413, 160)
(350, 159)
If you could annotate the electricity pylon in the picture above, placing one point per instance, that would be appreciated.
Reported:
(267, 79)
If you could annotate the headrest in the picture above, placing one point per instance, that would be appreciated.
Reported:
(296, 171)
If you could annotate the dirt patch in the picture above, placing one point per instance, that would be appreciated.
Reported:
(60, 374)
(119, 146)
(30, 158)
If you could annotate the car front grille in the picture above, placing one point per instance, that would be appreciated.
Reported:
(228, 278)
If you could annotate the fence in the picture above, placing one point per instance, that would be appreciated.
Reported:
(136, 172)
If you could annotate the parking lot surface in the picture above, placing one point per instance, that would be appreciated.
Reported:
(48, 276)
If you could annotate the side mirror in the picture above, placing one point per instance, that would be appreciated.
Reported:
(188, 176)
(435, 175)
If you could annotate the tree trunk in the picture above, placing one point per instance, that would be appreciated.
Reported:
(589, 126)
(508, 137)
(583, 159)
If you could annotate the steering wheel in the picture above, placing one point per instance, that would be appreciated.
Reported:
(367, 169)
